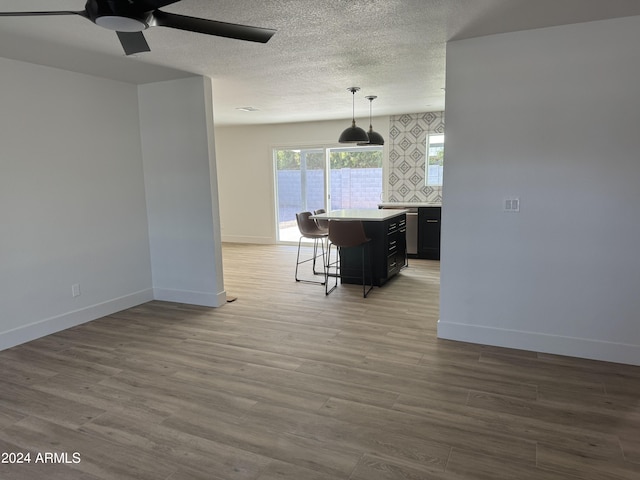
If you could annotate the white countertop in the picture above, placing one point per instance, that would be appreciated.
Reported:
(365, 214)
(408, 204)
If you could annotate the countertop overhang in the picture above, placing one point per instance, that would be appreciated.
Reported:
(408, 204)
(364, 214)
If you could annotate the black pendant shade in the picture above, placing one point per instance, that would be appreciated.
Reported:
(353, 134)
(373, 138)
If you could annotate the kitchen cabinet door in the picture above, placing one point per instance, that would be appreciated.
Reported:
(429, 232)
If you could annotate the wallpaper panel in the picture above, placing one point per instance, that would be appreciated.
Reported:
(407, 153)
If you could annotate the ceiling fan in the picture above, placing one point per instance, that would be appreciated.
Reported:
(128, 18)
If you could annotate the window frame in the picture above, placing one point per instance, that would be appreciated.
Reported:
(438, 164)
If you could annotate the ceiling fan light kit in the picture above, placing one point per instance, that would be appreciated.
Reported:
(121, 24)
(128, 18)
(353, 134)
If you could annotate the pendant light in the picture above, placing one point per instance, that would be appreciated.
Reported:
(353, 134)
(374, 137)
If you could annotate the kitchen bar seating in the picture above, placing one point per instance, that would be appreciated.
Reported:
(323, 224)
(349, 234)
(310, 229)
(387, 231)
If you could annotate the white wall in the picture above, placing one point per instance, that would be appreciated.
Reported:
(246, 176)
(72, 206)
(550, 116)
(176, 122)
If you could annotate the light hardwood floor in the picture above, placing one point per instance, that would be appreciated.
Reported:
(285, 383)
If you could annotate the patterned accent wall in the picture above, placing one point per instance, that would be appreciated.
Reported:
(407, 153)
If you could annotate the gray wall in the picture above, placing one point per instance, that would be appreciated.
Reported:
(72, 196)
(72, 205)
(181, 191)
(550, 116)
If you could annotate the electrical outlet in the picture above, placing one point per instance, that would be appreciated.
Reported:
(75, 290)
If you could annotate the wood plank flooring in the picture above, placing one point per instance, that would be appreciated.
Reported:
(285, 383)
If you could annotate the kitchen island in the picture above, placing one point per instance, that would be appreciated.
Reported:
(387, 231)
(423, 228)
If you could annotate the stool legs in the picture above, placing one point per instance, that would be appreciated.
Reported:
(364, 248)
(365, 291)
(328, 290)
(312, 259)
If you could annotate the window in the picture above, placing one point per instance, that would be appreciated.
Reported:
(435, 160)
(308, 179)
(355, 179)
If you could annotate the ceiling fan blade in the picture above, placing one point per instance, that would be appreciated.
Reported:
(83, 13)
(133, 42)
(212, 27)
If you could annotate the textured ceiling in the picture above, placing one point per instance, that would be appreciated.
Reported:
(394, 49)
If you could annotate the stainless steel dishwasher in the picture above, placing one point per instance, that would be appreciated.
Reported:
(412, 231)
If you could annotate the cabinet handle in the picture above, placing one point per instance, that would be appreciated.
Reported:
(432, 221)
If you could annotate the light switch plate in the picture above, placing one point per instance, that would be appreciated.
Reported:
(512, 204)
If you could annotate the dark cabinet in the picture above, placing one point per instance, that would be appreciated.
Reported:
(388, 251)
(429, 232)
(396, 245)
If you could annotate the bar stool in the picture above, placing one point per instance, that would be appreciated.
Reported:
(348, 234)
(309, 229)
(323, 224)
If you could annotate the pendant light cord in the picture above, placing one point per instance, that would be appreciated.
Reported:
(353, 91)
(353, 108)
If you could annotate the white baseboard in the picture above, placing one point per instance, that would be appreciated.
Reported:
(247, 239)
(39, 329)
(204, 299)
(543, 343)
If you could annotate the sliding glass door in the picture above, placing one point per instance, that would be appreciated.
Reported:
(323, 177)
(355, 178)
(300, 187)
